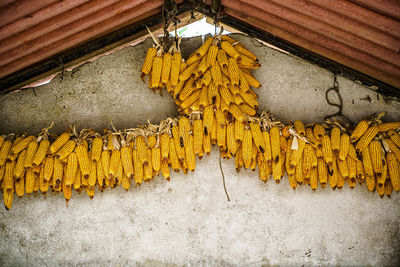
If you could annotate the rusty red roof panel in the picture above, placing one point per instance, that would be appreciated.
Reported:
(361, 38)
(361, 34)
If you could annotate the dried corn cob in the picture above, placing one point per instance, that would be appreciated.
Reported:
(367, 137)
(384, 127)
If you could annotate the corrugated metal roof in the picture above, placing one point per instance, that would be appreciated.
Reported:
(361, 34)
(340, 30)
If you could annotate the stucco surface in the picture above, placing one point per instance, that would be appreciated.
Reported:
(188, 221)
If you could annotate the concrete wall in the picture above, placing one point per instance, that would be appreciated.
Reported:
(189, 221)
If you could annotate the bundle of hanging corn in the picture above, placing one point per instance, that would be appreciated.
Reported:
(311, 154)
(215, 78)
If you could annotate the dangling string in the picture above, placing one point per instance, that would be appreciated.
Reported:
(339, 113)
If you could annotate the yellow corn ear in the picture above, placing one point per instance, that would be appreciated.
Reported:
(262, 167)
(8, 196)
(237, 113)
(36, 183)
(319, 131)
(97, 146)
(29, 180)
(187, 90)
(48, 168)
(173, 156)
(189, 71)
(166, 68)
(126, 159)
(267, 150)
(66, 150)
(156, 159)
(314, 179)
(384, 127)
(164, 145)
(251, 80)
(239, 157)
(207, 144)
(5, 149)
(277, 170)
(83, 159)
(8, 180)
(340, 178)
(221, 136)
(115, 160)
(142, 150)
(248, 110)
(105, 162)
(343, 168)
(226, 95)
(165, 170)
(91, 181)
(393, 170)
(344, 146)
(367, 137)
(395, 137)
(78, 181)
(148, 169)
(19, 166)
(67, 191)
(230, 50)
(198, 136)
(296, 154)
(179, 147)
(175, 68)
(190, 100)
(230, 139)
(222, 59)
(360, 172)
(335, 140)
(257, 136)
(360, 129)
(312, 139)
(247, 144)
(100, 175)
(208, 117)
(375, 150)
(216, 74)
(249, 99)
(43, 184)
(156, 71)
(307, 159)
(322, 172)
(327, 149)
(58, 172)
(393, 148)
(72, 167)
(137, 167)
(59, 142)
(189, 152)
(30, 152)
(41, 152)
(333, 173)
(352, 166)
(289, 169)
(368, 169)
(18, 147)
(178, 89)
(212, 54)
(184, 129)
(233, 70)
(203, 100)
(299, 127)
(207, 78)
(202, 50)
(275, 144)
(148, 62)
(253, 164)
